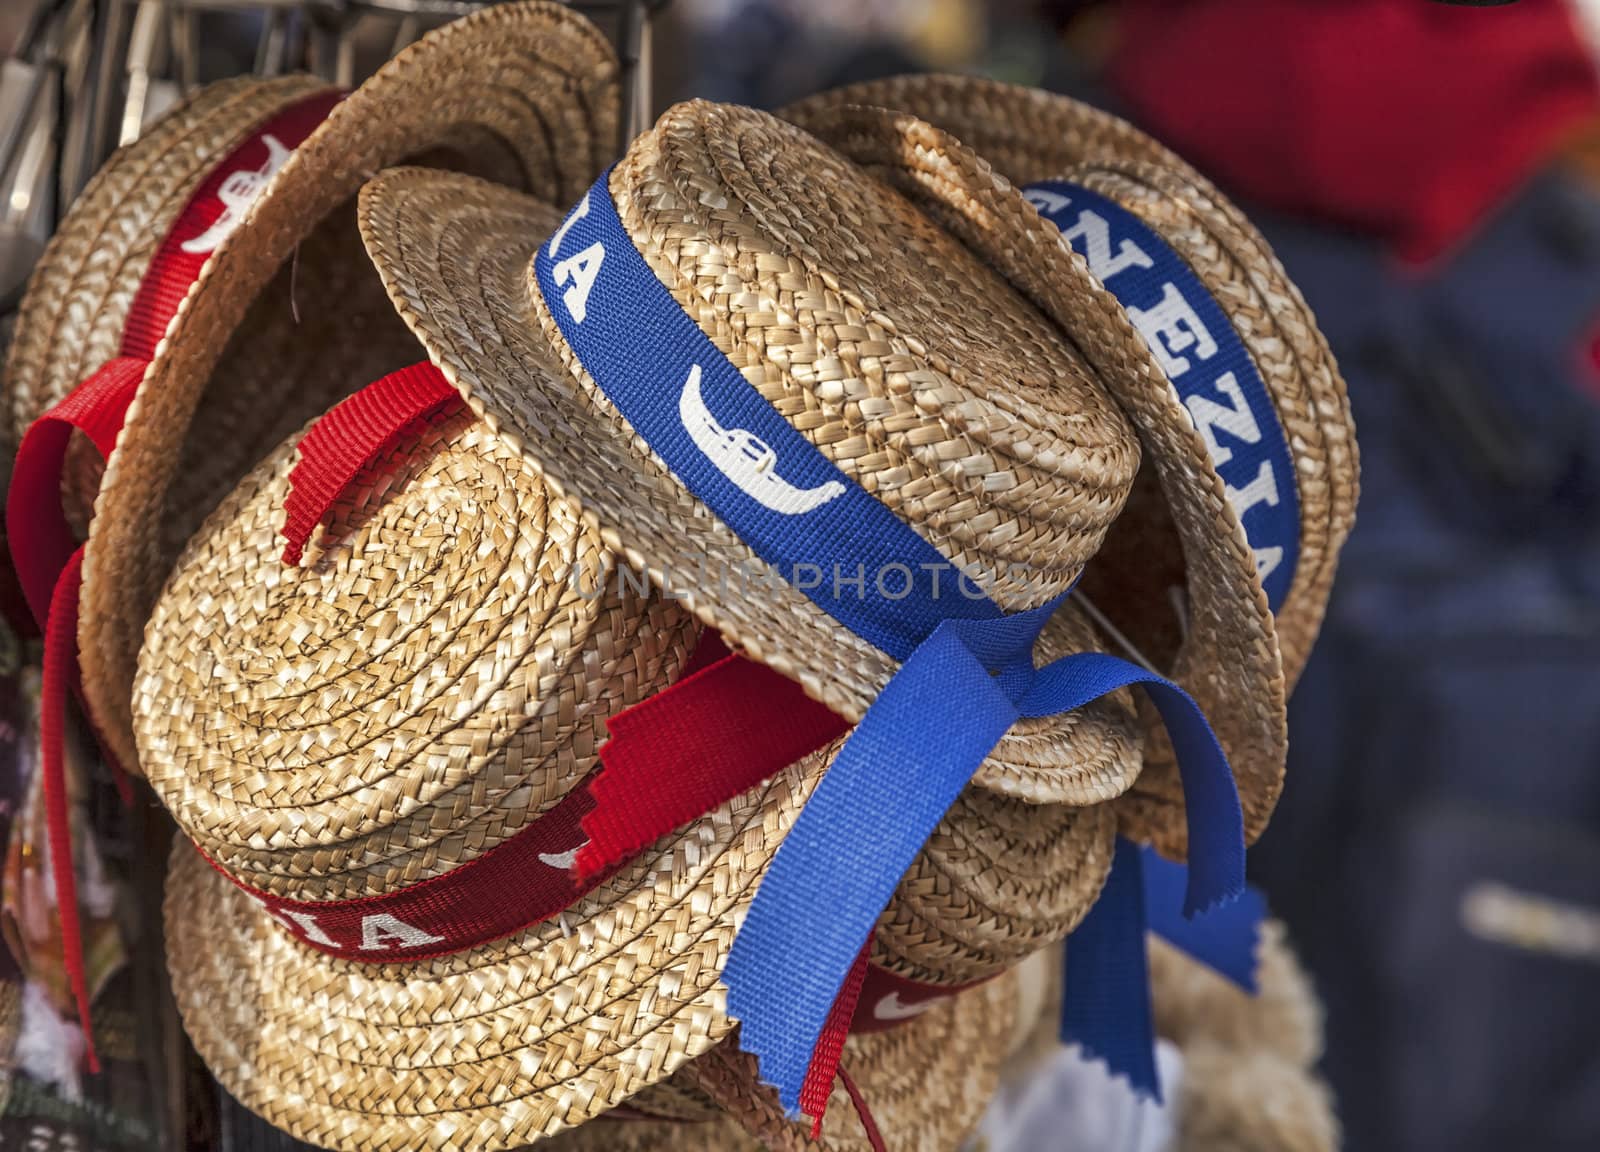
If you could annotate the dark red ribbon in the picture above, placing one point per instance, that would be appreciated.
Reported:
(818, 1084)
(520, 882)
(47, 559)
(660, 772)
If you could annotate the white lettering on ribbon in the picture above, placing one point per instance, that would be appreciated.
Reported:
(306, 924)
(1236, 419)
(378, 931)
(1095, 233)
(581, 268)
(1170, 326)
(1176, 335)
(237, 192)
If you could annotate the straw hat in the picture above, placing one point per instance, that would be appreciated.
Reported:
(310, 772)
(433, 679)
(284, 309)
(1035, 472)
(1030, 135)
(925, 1085)
(883, 347)
(1182, 528)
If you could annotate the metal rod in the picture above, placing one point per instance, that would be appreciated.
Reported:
(11, 141)
(270, 47)
(1112, 631)
(631, 46)
(141, 53)
(103, 99)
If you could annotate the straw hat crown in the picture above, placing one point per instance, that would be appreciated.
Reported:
(907, 363)
(435, 676)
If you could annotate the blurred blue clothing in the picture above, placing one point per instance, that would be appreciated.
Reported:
(1437, 850)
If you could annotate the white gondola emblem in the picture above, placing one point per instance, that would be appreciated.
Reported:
(891, 1007)
(238, 191)
(745, 459)
(562, 861)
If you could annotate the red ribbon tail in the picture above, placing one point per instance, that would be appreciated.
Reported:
(692, 747)
(818, 1084)
(59, 675)
(351, 437)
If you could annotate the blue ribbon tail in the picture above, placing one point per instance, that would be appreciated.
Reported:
(1105, 1007)
(891, 784)
(1210, 797)
(1224, 939)
(887, 790)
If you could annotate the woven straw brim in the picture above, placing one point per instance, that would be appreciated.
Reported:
(525, 93)
(436, 673)
(1230, 662)
(1030, 135)
(722, 1134)
(72, 318)
(999, 879)
(926, 1084)
(486, 1049)
(455, 255)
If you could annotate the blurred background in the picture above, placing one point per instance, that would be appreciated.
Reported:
(1430, 176)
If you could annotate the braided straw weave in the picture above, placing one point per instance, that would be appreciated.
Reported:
(1230, 663)
(404, 701)
(71, 319)
(926, 1085)
(1030, 135)
(908, 364)
(284, 311)
(427, 680)
(455, 254)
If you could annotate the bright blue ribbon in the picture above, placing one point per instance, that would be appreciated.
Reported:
(1207, 364)
(1106, 1006)
(967, 673)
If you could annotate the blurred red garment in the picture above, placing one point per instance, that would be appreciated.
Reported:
(1407, 119)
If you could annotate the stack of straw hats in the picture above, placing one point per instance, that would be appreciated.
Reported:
(358, 738)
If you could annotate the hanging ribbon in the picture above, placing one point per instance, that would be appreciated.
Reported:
(47, 559)
(352, 436)
(1191, 337)
(967, 673)
(660, 772)
(1106, 1005)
